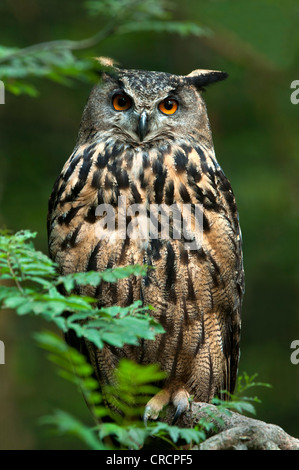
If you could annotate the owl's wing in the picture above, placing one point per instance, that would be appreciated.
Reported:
(233, 328)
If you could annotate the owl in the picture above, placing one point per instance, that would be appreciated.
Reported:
(145, 141)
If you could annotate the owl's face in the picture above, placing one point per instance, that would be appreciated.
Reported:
(141, 107)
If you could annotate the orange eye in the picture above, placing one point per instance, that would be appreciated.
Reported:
(121, 102)
(168, 106)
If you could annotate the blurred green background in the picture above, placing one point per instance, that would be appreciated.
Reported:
(256, 137)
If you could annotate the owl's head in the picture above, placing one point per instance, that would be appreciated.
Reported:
(141, 107)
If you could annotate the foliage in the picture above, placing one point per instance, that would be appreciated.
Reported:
(131, 391)
(237, 401)
(56, 60)
(30, 285)
(37, 288)
(255, 130)
(133, 386)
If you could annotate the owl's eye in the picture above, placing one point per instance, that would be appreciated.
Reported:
(168, 106)
(121, 102)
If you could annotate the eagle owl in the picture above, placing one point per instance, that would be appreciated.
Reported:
(145, 137)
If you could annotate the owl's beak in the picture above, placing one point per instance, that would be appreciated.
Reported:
(142, 125)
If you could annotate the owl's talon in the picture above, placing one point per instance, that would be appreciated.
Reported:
(180, 409)
(145, 417)
(149, 413)
(181, 402)
(178, 413)
(155, 405)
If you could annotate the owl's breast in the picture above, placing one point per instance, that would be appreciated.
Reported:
(169, 206)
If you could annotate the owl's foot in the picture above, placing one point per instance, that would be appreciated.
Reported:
(179, 398)
(156, 405)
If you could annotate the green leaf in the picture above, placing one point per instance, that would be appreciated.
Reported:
(176, 433)
(183, 28)
(17, 87)
(132, 436)
(94, 278)
(67, 424)
(8, 292)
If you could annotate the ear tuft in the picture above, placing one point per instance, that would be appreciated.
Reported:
(108, 67)
(106, 62)
(201, 78)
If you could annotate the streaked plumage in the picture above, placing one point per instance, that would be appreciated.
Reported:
(197, 294)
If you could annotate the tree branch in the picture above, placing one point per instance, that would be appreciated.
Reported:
(235, 431)
(64, 44)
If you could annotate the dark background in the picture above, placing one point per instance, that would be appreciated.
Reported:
(255, 129)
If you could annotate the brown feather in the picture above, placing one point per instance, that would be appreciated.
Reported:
(197, 294)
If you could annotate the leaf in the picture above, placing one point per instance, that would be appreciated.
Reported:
(91, 335)
(183, 28)
(8, 292)
(132, 436)
(17, 87)
(67, 424)
(176, 433)
(16, 303)
(56, 60)
(244, 382)
(94, 278)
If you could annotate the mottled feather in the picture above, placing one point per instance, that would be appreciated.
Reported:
(196, 293)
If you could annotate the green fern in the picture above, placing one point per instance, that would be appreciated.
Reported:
(30, 284)
(35, 290)
(129, 394)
